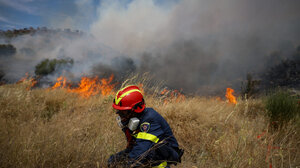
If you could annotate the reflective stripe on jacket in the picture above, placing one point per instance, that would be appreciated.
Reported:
(155, 130)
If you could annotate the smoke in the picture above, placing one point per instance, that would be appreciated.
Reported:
(197, 45)
(55, 44)
(203, 44)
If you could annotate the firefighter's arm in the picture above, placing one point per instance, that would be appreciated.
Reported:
(149, 135)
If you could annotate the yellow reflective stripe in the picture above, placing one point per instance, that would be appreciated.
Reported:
(117, 100)
(123, 89)
(147, 136)
(162, 165)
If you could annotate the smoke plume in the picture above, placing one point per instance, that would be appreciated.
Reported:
(54, 44)
(204, 44)
(197, 45)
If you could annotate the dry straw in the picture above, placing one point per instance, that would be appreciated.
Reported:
(54, 128)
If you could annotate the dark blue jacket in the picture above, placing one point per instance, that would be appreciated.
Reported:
(154, 130)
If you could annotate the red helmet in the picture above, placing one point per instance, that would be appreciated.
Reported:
(129, 98)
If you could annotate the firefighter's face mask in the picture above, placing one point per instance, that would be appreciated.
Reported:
(127, 119)
(132, 124)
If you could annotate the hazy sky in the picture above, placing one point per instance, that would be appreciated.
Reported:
(77, 14)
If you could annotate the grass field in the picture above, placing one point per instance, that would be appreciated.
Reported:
(55, 128)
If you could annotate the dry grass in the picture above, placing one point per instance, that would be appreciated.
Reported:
(43, 128)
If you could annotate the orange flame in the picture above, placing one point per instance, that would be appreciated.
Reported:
(164, 91)
(88, 86)
(32, 81)
(107, 88)
(24, 78)
(177, 96)
(61, 82)
(230, 97)
(174, 95)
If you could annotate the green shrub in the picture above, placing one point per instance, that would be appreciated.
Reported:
(49, 66)
(282, 107)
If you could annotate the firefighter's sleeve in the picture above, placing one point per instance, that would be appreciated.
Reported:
(149, 135)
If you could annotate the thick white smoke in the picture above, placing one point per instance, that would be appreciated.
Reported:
(194, 43)
(191, 44)
(143, 25)
(132, 29)
(32, 49)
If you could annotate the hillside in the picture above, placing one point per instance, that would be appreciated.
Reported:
(57, 128)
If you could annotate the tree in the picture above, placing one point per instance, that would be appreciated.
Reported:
(50, 66)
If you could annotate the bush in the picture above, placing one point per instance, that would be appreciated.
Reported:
(49, 66)
(282, 107)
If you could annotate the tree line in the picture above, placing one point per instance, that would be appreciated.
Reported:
(31, 31)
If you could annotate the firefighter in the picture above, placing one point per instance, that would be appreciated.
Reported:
(150, 141)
